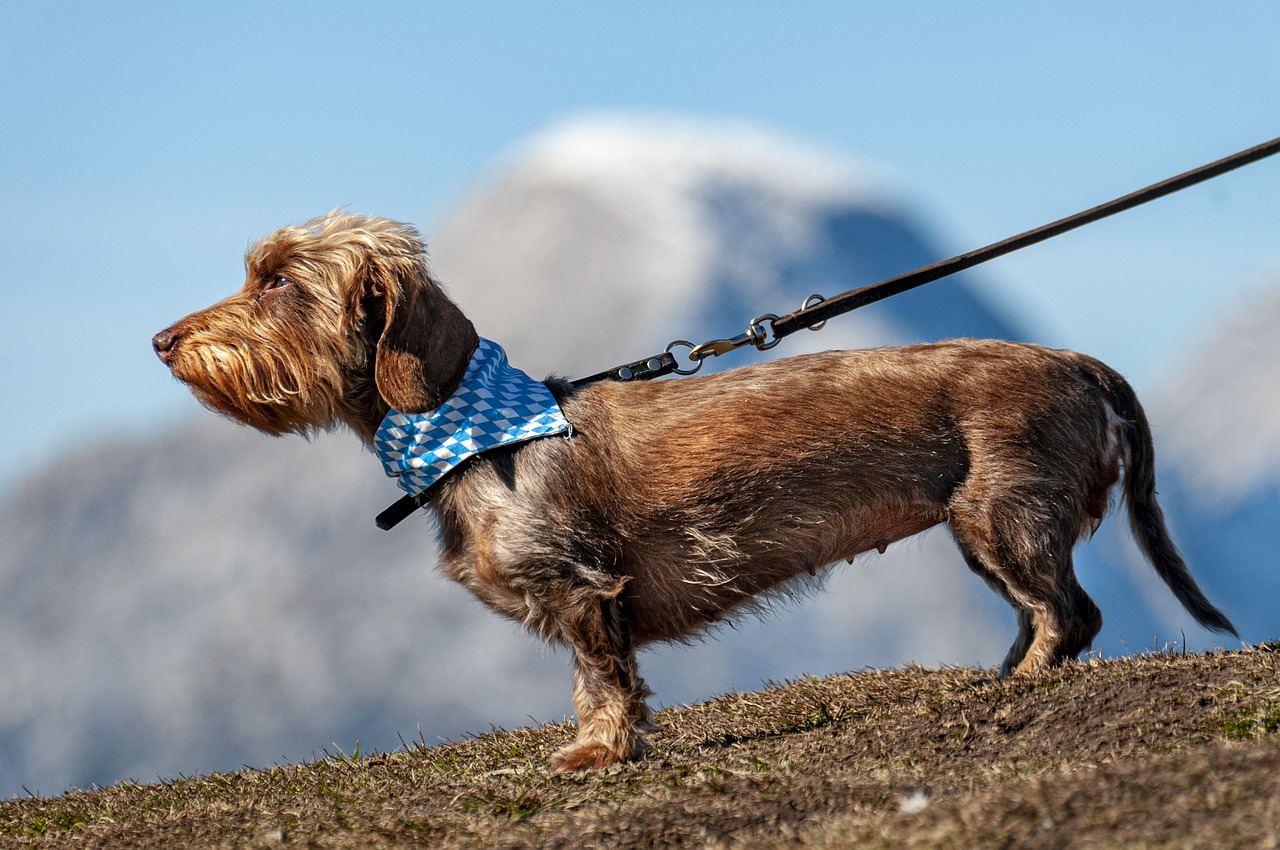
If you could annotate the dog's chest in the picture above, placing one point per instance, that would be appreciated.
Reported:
(476, 567)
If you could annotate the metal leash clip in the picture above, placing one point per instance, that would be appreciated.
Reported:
(758, 333)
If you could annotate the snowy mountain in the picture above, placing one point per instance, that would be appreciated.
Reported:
(206, 597)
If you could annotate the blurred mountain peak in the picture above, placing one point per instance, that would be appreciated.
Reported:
(663, 151)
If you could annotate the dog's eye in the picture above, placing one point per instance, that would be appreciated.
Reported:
(274, 283)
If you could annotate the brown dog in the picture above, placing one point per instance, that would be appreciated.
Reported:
(677, 501)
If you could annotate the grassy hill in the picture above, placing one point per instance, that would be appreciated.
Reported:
(1163, 750)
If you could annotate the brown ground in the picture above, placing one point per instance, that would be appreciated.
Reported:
(1155, 751)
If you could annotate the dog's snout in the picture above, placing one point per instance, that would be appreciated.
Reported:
(164, 344)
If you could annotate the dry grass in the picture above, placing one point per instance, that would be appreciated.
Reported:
(1153, 751)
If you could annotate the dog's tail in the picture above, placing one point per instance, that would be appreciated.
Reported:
(1145, 516)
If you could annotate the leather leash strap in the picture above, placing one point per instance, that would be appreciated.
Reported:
(855, 298)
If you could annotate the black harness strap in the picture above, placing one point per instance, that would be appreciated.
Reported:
(400, 511)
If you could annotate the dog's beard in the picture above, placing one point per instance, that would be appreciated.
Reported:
(278, 393)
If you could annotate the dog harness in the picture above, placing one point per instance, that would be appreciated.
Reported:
(495, 405)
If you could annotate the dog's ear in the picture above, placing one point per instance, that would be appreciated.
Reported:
(426, 341)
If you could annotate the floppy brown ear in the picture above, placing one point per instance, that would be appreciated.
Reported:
(425, 345)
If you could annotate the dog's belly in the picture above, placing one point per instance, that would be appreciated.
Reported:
(679, 586)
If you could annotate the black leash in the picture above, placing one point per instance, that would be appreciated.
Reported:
(767, 330)
(852, 300)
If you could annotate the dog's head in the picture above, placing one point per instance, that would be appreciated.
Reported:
(337, 320)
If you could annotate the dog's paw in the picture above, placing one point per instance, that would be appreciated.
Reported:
(595, 755)
(585, 757)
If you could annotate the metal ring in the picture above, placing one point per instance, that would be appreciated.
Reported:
(760, 334)
(812, 301)
(697, 363)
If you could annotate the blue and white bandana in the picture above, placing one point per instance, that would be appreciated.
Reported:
(495, 405)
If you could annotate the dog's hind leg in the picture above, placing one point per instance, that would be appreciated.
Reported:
(1064, 618)
(1033, 571)
(608, 693)
(1025, 631)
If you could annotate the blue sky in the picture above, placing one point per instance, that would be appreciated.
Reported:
(143, 145)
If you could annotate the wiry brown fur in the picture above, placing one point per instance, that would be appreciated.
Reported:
(675, 502)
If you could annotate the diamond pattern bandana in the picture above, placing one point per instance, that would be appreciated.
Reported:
(495, 405)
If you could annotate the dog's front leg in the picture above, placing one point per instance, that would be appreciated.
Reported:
(608, 693)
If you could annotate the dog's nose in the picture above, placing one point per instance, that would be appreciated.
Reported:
(164, 343)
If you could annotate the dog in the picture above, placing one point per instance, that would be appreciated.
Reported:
(671, 503)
